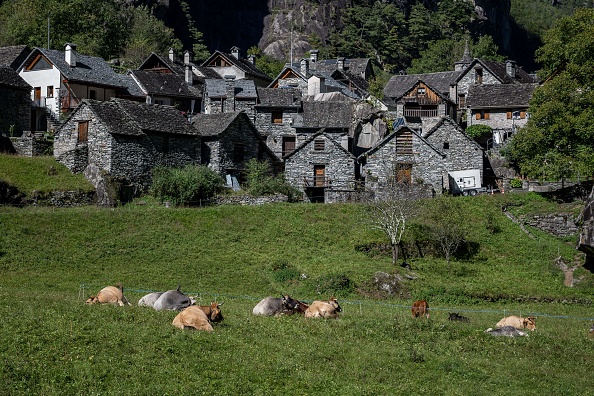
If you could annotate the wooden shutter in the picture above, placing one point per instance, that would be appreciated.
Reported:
(477, 115)
(83, 131)
(319, 144)
(486, 115)
(522, 114)
(404, 143)
(288, 145)
(509, 115)
(319, 175)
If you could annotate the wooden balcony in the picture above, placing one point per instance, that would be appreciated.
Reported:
(319, 181)
(420, 113)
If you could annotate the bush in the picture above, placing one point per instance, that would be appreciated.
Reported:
(479, 131)
(261, 182)
(515, 183)
(185, 186)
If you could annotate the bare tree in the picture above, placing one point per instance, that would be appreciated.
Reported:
(390, 213)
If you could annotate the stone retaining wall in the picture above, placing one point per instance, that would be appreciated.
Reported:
(559, 224)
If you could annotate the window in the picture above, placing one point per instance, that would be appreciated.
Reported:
(40, 63)
(319, 145)
(165, 144)
(50, 91)
(92, 94)
(83, 131)
(482, 115)
(277, 117)
(238, 152)
(288, 145)
(404, 143)
(421, 91)
(446, 145)
(478, 76)
(462, 101)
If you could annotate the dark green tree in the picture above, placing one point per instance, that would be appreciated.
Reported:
(558, 139)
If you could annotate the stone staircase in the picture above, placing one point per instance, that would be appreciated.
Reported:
(53, 122)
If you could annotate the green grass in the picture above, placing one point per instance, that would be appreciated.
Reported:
(52, 343)
(42, 174)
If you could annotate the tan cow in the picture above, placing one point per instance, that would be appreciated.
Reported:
(110, 295)
(420, 308)
(518, 322)
(194, 317)
(323, 309)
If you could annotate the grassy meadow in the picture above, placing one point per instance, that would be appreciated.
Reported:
(51, 343)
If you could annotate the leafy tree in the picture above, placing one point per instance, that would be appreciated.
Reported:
(267, 64)
(446, 224)
(478, 131)
(200, 50)
(558, 139)
(438, 57)
(486, 49)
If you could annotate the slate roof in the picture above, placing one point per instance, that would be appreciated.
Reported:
(279, 97)
(355, 79)
(398, 85)
(10, 78)
(213, 124)
(499, 95)
(243, 89)
(392, 135)
(498, 69)
(127, 117)
(313, 137)
(355, 66)
(165, 84)
(131, 86)
(327, 115)
(89, 69)
(13, 56)
(448, 120)
(243, 64)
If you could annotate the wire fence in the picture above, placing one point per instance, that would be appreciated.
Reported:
(199, 296)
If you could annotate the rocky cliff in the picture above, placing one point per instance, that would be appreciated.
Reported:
(271, 24)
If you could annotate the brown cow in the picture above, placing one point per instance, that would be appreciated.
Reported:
(193, 317)
(212, 311)
(323, 309)
(420, 308)
(110, 295)
(518, 322)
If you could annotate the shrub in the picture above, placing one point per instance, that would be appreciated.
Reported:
(479, 131)
(185, 186)
(516, 183)
(261, 182)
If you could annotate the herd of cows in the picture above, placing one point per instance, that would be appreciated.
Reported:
(202, 317)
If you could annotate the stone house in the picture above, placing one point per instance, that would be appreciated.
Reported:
(277, 111)
(503, 107)
(62, 79)
(404, 156)
(322, 169)
(229, 141)
(230, 95)
(235, 65)
(419, 103)
(13, 56)
(15, 103)
(126, 139)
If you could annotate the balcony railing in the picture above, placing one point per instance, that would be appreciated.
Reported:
(70, 102)
(318, 181)
(419, 113)
(39, 102)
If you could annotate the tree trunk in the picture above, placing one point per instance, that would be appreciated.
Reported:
(394, 253)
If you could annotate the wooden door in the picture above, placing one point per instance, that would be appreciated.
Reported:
(319, 175)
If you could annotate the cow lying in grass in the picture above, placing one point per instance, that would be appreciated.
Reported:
(507, 331)
(149, 299)
(110, 295)
(271, 306)
(323, 309)
(518, 322)
(173, 300)
(454, 317)
(212, 311)
(192, 317)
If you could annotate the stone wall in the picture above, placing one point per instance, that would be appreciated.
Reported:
(15, 111)
(558, 224)
(31, 145)
(249, 200)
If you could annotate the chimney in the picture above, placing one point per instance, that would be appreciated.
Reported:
(313, 56)
(230, 92)
(235, 52)
(171, 55)
(189, 78)
(304, 67)
(252, 59)
(340, 63)
(187, 58)
(70, 55)
(510, 68)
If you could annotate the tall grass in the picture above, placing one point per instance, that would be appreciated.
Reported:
(52, 343)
